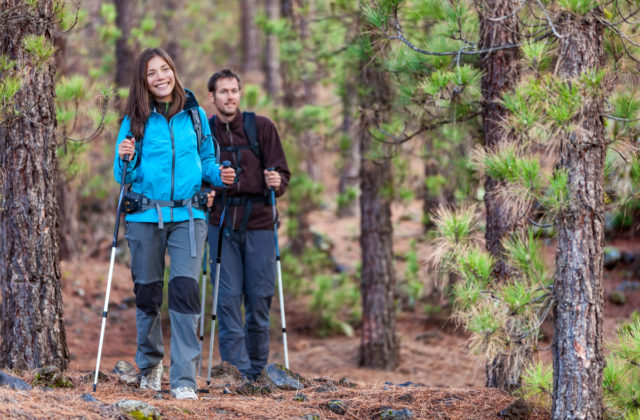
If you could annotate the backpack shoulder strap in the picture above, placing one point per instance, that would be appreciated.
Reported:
(249, 127)
(197, 125)
(212, 125)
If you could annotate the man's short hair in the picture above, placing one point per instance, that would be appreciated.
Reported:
(222, 74)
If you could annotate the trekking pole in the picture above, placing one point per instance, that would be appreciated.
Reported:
(113, 258)
(204, 290)
(214, 310)
(272, 191)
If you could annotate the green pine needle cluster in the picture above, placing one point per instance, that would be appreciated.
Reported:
(503, 318)
(537, 384)
(621, 376)
(39, 48)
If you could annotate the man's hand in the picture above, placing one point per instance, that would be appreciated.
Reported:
(228, 175)
(272, 179)
(211, 195)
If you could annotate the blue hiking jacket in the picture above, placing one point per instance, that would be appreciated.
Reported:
(170, 167)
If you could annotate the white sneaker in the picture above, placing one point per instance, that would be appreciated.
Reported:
(153, 379)
(184, 393)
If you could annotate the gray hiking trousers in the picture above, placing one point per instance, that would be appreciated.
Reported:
(148, 245)
(247, 275)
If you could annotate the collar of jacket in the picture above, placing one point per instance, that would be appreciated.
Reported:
(189, 103)
(234, 125)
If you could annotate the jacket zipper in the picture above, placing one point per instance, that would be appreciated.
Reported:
(173, 162)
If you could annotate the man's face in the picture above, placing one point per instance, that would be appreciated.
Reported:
(226, 98)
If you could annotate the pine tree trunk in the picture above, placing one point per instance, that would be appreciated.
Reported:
(271, 55)
(349, 175)
(501, 73)
(578, 360)
(125, 56)
(296, 94)
(32, 330)
(379, 345)
(66, 192)
(173, 25)
(249, 41)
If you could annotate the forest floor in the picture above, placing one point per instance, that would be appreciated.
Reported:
(437, 376)
(446, 381)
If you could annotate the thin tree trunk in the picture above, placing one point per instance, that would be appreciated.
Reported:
(349, 175)
(272, 58)
(66, 192)
(501, 73)
(32, 329)
(67, 195)
(125, 56)
(578, 360)
(379, 345)
(298, 92)
(249, 41)
(173, 27)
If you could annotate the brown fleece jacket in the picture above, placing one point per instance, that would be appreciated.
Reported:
(249, 170)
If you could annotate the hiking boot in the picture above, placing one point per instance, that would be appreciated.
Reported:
(184, 393)
(153, 379)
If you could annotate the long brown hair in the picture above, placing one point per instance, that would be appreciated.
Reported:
(139, 102)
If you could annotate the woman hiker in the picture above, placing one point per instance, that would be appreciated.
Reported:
(159, 134)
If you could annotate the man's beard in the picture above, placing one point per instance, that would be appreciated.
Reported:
(228, 114)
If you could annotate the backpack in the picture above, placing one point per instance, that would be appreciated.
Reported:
(249, 128)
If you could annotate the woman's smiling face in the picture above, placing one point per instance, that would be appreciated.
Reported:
(160, 79)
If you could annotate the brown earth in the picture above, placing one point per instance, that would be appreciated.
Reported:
(433, 352)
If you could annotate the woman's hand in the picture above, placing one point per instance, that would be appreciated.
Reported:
(127, 147)
(228, 175)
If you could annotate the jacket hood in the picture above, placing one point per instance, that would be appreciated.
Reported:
(191, 101)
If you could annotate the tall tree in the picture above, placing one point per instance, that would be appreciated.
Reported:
(578, 360)
(125, 55)
(499, 26)
(298, 92)
(173, 26)
(32, 329)
(250, 40)
(379, 345)
(271, 57)
(66, 194)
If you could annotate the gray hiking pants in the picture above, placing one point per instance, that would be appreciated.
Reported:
(148, 245)
(247, 273)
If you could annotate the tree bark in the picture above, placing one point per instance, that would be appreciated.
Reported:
(125, 56)
(349, 175)
(66, 192)
(271, 57)
(173, 26)
(298, 92)
(249, 41)
(578, 359)
(32, 329)
(501, 74)
(379, 345)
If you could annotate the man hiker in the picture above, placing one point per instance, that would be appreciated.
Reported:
(247, 274)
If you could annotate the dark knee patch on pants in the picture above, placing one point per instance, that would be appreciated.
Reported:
(183, 295)
(148, 297)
